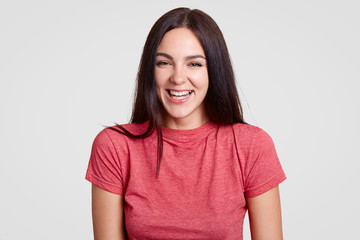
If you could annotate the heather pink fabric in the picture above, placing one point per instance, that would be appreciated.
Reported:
(205, 176)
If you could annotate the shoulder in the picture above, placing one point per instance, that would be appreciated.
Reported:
(248, 135)
(113, 135)
(245, 130)
(115, 131)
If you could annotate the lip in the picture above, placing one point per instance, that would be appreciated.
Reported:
(178, 101)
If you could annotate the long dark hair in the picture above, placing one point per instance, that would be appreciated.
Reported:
(222, 103)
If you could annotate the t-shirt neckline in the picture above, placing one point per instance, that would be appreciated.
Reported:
(188, 134)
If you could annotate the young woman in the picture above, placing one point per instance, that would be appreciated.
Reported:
(187, 166)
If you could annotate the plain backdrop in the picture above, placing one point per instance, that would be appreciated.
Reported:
(68, 67)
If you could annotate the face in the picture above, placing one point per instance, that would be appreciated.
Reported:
(182, 79)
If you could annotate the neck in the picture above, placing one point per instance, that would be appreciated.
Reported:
(184, 124)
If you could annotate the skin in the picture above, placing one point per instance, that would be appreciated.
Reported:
(265, 216)
(107, 214)
(181, 65)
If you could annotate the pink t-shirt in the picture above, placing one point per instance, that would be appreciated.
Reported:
(206, 174)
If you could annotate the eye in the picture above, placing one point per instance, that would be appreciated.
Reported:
(195, 64)
(162, 63)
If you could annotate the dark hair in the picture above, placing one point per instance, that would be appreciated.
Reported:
(222, 103)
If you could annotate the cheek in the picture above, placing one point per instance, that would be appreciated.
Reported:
(203, 82)
(159, 79)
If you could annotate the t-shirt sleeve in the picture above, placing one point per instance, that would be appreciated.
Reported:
(104, 169)
(263, 168)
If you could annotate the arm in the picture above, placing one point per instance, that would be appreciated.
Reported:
(107, 213)
(265, 216)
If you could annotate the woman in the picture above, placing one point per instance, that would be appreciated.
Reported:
(187, 166)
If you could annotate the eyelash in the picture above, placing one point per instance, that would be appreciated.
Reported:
(193, 64)
(162, 63)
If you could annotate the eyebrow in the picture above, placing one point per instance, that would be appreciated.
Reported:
(186, 58)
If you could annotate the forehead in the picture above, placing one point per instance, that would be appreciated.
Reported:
(181, 41)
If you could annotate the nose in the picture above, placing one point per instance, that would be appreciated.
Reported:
(178, 76)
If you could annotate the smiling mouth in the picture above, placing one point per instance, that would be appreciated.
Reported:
(179, 95)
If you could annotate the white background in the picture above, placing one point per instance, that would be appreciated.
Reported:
(68, 67)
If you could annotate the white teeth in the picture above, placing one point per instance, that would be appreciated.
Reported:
(179, 95)
(182, 93)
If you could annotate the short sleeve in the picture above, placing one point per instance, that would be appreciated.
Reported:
(263, 169)
(104, 169)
